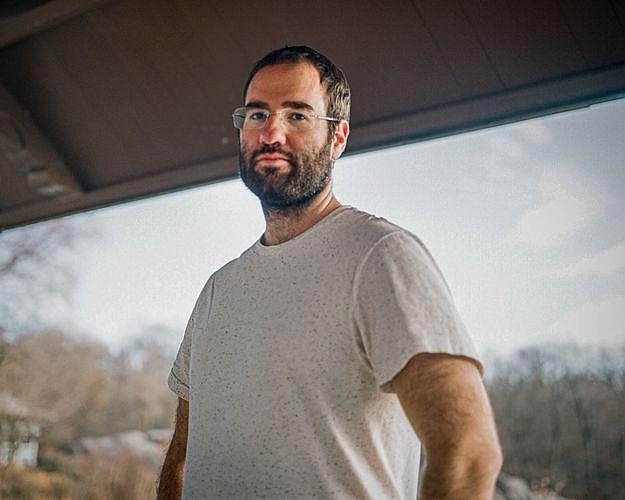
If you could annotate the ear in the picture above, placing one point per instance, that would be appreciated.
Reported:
(339, 142)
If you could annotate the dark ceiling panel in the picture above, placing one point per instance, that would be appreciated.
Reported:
(136, 95)
(459, 45)
(147, 63)
(534, 31)
(410, 70)
(619, 11)
(597, 31)
(27, 18)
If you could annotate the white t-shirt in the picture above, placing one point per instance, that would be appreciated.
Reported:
(287, 361)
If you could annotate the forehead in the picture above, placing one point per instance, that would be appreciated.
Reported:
(279, 83)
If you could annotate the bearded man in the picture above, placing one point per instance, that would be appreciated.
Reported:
(317, 363)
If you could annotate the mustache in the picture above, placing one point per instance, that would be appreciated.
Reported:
(267, 149)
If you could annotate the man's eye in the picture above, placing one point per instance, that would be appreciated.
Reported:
(297, 117)
(257, 115)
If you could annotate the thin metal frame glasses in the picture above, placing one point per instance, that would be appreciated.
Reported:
(300, 120)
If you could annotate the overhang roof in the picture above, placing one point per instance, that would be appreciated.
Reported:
(103, 102)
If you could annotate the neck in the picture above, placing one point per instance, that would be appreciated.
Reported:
(283, 224)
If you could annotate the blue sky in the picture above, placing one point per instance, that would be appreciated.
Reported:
(525, 221)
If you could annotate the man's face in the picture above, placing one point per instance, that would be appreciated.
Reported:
(286, 168)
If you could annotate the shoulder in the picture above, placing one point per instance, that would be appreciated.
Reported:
(379, 238)
(368, 231)
(389, 255)
(366, 223)
(232, 266)
(221, 274)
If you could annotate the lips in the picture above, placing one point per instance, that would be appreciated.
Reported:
(271, 157)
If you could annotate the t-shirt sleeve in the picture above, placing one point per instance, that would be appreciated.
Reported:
(178, 380)
(402, 307)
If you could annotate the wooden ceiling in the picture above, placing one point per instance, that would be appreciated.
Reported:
(103, 102)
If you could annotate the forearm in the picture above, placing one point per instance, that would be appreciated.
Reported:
(170, 483)
(171, 480)
(453, 475)
(446, 403)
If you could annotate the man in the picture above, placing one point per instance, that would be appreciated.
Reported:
(311, 361)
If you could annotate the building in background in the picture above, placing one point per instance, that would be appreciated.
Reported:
(19, 433)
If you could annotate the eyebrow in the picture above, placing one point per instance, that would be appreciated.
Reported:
(297, 105)
(285, 104)
(257, 104)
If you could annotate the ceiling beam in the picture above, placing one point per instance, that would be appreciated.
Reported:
(181, 178)
(28, 153)
(531, 101)
(42, 18)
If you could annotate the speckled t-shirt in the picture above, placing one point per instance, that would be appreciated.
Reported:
(287, 361)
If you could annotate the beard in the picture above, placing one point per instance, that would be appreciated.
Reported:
(310, 171)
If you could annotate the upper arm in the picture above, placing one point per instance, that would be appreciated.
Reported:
(181, 429)
(445, 401)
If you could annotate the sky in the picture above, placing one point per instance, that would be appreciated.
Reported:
(526, 222)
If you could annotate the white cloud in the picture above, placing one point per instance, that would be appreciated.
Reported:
(606, 263)
(536, 132)
(567, 208)
(601, 322)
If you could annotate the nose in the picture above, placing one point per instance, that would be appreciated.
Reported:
(274, 131)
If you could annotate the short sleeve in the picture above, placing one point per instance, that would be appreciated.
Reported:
(402, 307)
(178, 380)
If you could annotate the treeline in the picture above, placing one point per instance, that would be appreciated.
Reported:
(560, 410)
(75, 387)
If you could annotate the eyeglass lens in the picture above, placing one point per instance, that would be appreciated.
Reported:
(256, 118)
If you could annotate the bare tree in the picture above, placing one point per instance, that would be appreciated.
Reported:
(61, 378)
(560, 415)
(35, 270)
(138, 394)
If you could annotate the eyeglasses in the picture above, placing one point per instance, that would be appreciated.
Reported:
(300, 120)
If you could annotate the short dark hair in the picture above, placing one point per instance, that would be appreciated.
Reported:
(331, 76)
